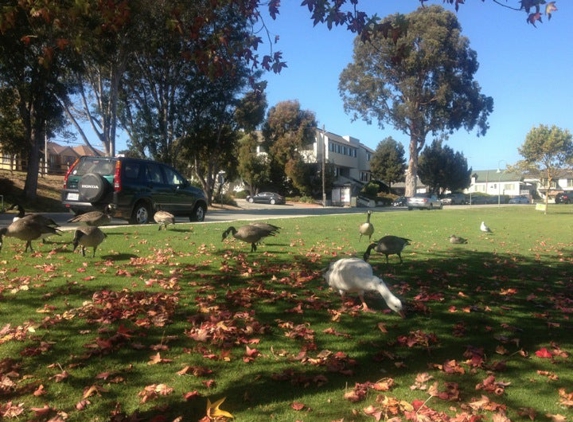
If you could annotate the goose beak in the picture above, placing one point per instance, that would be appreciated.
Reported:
(402, 314)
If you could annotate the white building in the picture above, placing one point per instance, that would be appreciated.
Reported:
(350, 158)
(498, 182)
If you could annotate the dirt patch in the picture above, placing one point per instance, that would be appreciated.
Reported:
(49, 191)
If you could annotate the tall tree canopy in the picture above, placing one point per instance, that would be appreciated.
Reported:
(287, 131)
(422, 83)
(547, 154)
(388, 162)
(442, 168)
(45, 35)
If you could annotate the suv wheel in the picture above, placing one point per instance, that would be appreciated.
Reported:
(198, 213)
(251, 199)
(141, 213)
(92, 187)
(273, 202)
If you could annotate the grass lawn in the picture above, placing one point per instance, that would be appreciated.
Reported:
(159, 322)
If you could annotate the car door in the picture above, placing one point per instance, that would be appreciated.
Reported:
(158, 189)
(181, 200)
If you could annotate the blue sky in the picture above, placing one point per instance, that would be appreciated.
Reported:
(528, 71)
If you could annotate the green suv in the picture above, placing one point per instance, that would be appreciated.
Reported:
(133, 189)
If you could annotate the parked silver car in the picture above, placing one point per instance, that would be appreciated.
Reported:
(424, 201)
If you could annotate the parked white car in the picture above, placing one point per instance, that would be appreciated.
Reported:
(424, 201)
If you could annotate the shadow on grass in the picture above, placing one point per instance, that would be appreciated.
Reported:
(487, 312)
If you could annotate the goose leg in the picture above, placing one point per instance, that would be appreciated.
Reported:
(365, 307)
(29, 245)
(253, 247)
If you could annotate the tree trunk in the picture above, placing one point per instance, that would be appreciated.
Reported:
(412, 173)
(31, 184)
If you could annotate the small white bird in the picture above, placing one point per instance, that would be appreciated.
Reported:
(354, 275)
(484, 228)
(366, 229)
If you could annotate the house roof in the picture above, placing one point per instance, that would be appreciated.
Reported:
(57, 149)
(85, 150)
(484, 176)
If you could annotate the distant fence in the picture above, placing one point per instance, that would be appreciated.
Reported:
(10, 163)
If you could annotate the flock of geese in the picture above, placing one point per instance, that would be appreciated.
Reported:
(355, 275)
(346, 275)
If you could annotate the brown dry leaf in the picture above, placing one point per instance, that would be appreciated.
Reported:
(94, 389)
(385, 384)
(527, 411)
(297, 406)
(556, 418)
(566, 399)
(156, 359)
(375, 412)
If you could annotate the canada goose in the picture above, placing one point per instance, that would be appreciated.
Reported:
(484, 228)
(39, 218)
(457, 240)
(366, 229)
(388, 245)
(163, 218)
(251, 233)
(93, 218)
(27, 229)
(89, 236)
(353, 275)
(266, 226)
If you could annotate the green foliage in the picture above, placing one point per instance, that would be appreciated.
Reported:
(415, 86)
(288, 131)
(547, 153)
(252, 167)
(441, 168)
(370, 190)
(388, 162)
(182, 310)
(225, 199)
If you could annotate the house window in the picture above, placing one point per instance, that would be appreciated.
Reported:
(336, 171)
(569, 183)
(368, 156)
(364, 176)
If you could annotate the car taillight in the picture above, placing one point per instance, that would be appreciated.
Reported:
(117, 177)
(70, 172)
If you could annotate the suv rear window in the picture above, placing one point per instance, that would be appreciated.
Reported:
(105, 167)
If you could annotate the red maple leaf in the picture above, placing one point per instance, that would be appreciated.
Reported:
(543, 353)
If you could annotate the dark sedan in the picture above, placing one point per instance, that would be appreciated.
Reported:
(563, 198)
(267, 198)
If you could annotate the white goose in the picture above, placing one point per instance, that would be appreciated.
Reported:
(354, 275)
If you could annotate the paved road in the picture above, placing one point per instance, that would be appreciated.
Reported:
(245, 211)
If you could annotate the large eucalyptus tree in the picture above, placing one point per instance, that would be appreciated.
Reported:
(422, 83)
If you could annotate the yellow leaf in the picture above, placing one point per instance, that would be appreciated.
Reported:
(213, 410)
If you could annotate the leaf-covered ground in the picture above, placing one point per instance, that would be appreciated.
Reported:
(160, 325)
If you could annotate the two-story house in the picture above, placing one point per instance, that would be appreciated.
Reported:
(349, 158)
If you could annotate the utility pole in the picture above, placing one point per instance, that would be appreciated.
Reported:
(323, 168)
